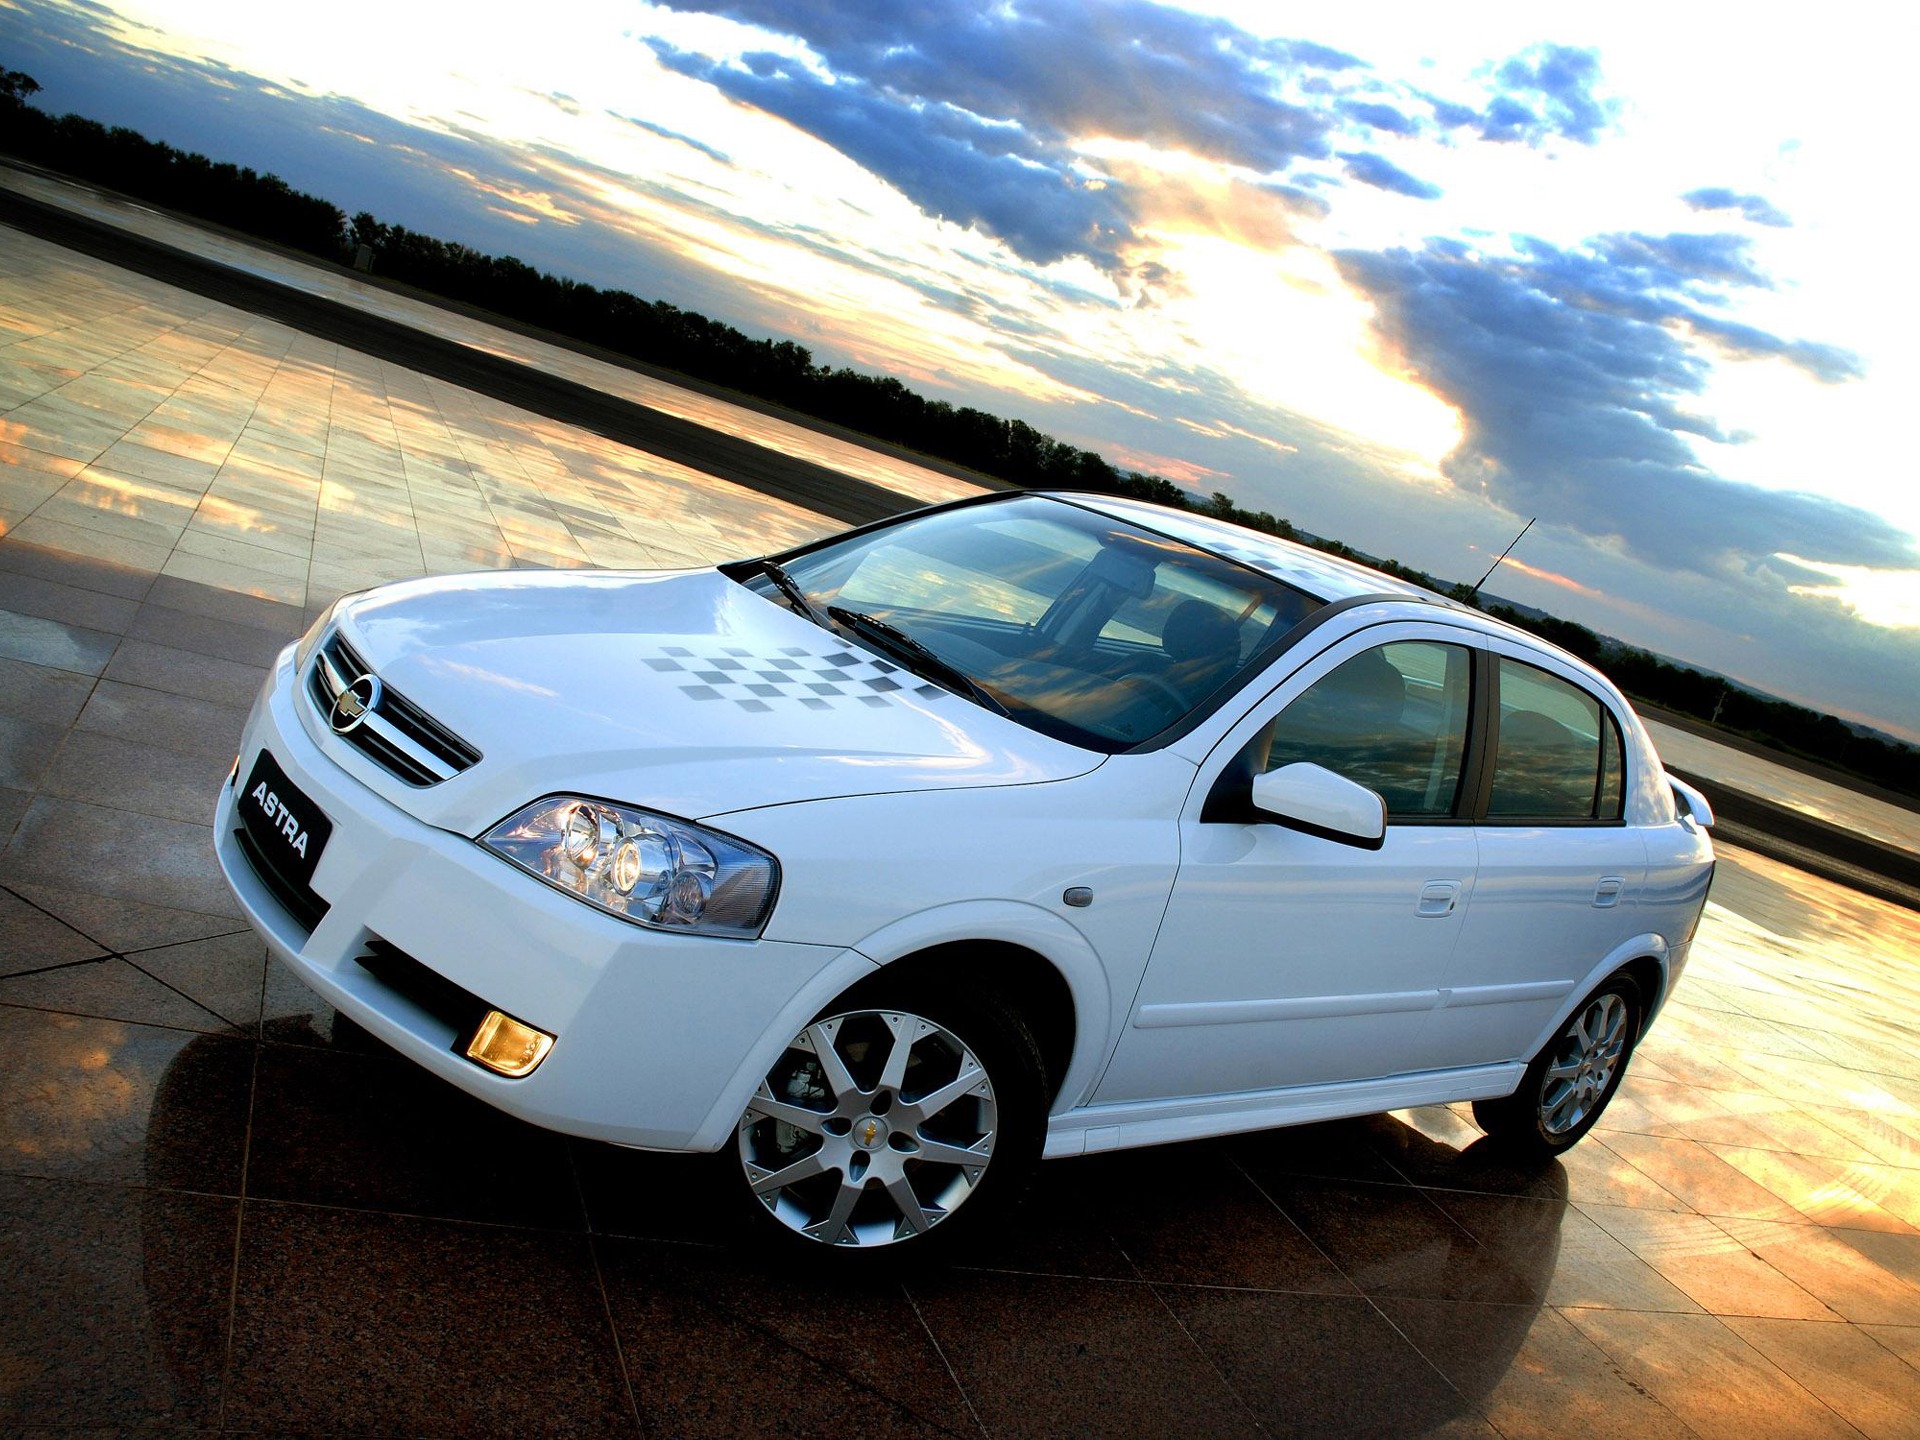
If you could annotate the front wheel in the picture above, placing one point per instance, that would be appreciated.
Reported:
(1570, 1081)
(894, 1129)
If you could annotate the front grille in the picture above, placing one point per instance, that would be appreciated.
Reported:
(303, 906)
(397, 735)
(459, 1010)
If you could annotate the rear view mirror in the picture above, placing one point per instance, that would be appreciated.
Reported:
(1315, 801)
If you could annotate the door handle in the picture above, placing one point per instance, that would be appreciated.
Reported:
(1608, 892)
(1437, 898)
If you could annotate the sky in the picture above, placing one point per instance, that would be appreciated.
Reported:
(1407, 275)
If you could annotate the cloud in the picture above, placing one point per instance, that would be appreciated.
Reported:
(1574, 369)
(1754, 208)
(1383, 174)
(974, 113)
(1547, 91)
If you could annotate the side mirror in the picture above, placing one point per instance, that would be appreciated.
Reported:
(1315, 801)
(1693, 804)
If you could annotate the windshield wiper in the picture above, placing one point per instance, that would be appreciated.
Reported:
(790, 589)
(919, 658)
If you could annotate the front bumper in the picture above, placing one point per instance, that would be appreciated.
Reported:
(659, 1038)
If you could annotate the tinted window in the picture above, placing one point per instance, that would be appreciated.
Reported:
(1557, 756)
(1082, 626)
(1392, 718)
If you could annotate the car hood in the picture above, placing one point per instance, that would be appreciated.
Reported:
(682, 691)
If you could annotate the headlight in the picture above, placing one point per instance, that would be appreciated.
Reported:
(643, 867)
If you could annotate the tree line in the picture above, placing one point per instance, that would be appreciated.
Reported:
(785, 373)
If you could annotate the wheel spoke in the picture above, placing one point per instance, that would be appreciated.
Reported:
(1557, 1118)
(895, 1070)
(934, 1101)
(803, 1168)
(938, 1152)
(798, 1116)
(918, 1221)
(834, 1226)
(839, 1079)
(1565, 1070)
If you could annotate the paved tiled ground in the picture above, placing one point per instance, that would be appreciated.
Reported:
(223, 1208)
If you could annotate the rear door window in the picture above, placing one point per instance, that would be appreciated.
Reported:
(1557, 753)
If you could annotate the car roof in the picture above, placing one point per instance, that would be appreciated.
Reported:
(1324, 576)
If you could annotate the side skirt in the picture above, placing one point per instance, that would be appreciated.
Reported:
(1092, 1128)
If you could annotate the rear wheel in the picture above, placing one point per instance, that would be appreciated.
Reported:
(1573, 1077)
(894, 1129)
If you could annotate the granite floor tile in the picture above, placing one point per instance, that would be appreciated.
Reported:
(1902, 1340)
(376, 1132)
(1338, 1150)
(1318, 1365)
(152, 780)
(186, 672)
(196, 598)
(1563, 1255)
(41, 694)
(638, 1194)
(1030, 1349)
(208, 635)
(110, 989)
(116, 1313)
(224, 974)
(1859, 1379)
(50, 643)
(823, 1357)
(1713, 1268)
(1707, 1375)
(1532, 1373)
(103, 1100)
(27, 749)
(31, 939)
(13, 806)
(123, 925)
(355, 1323)
(1188, 1215)
(1701, 1178)
(155, 719)
(1599, 1175)
(1396, 1241)
(85, 542)
(121, 853)
(68, 604)
(1820, 1189)
(18, 557)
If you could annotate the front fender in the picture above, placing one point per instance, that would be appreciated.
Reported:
(1031, 928)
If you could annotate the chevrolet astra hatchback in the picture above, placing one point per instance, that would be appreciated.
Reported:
(1030, 826)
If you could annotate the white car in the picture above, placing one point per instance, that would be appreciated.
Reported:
(1034, 825)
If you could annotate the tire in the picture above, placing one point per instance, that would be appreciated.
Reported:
(866, 1139)
(1569, 1083)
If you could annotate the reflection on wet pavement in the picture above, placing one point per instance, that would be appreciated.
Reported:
(225, 1208)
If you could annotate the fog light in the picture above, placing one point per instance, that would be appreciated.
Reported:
(508, 1046)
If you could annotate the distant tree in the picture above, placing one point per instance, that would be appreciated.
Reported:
(16, 88)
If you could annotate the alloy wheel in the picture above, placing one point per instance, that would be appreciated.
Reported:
(872, 1128)
(1589, 1052)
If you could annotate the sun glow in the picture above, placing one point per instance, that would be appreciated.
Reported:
(1887, 598)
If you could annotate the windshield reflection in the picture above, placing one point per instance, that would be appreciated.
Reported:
(1084, 627)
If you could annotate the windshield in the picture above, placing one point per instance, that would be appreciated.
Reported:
(1078, 625)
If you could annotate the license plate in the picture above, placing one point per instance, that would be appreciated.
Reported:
(287, 828)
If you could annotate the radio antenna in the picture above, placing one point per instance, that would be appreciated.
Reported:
(1503, 555)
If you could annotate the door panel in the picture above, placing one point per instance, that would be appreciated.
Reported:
(1289, 959)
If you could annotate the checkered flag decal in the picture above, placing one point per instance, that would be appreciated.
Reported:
(762, 683)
